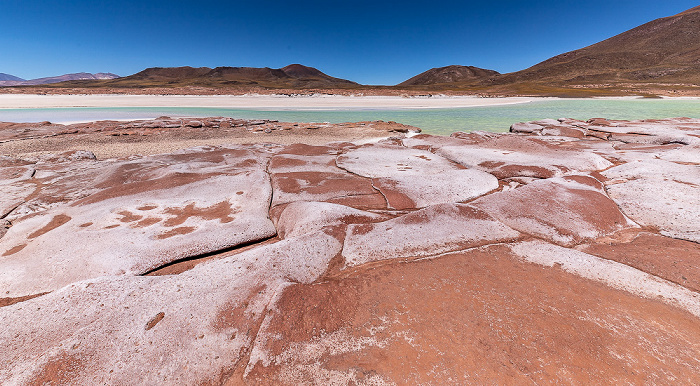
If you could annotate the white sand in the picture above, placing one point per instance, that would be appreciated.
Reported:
(319, 102)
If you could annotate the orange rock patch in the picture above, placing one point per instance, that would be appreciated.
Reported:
(14, 250)
(221, 211)
(476, 317)
(55, 222)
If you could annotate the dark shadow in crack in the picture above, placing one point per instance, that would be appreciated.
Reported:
(187, 263)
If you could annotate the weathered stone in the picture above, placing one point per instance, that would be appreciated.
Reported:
(427, 232)
(187, 328)
(659, 194)
(518, 156)
(564, 210)
(299, 218)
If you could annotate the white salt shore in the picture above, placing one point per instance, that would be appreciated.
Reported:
(315, 102)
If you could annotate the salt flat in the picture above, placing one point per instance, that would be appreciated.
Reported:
(14, 101)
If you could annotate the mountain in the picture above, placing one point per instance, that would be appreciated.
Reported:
(662, 56)
(663, 50)
(306, 73)
(56, 79)
(9, 77)
(449, 74)
(67, 77)
(292, 76)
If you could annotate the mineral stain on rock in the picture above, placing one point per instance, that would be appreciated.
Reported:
(152, 323)
(55, 222)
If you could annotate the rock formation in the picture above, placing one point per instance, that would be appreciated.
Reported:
(565, 251)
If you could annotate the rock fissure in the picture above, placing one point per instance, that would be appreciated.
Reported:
(170, 268)
(371, 180)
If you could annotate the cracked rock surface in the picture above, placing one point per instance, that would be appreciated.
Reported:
(563, 252)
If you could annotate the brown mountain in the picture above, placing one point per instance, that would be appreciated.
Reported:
(449, 74)
(663, 50)
(292, 76)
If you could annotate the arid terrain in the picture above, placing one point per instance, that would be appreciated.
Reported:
(221, 251)
(659, 58)
(108, 139)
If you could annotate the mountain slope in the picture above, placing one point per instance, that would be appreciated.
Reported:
(56, 79)
(67, 77)
(4, 77)
(449, 74)
(294, 76)
(666, 49)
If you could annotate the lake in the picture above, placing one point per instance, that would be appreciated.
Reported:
(434, 121)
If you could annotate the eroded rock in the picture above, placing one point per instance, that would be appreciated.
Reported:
(380, 273)
(564, 210)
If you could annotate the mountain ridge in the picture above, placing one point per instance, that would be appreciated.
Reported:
(56, 79)
(293, 75)
(449, 74)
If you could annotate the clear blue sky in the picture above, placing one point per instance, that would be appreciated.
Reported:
(371, 42)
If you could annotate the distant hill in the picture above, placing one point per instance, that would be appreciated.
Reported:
(449, 74)
(56, 79)
(10, 77)
(663, 50)
(292, 76)
(660, 56)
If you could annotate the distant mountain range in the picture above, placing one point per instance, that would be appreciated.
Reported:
(8, 77)
(292, 76)
(10, 80)
(661, 55)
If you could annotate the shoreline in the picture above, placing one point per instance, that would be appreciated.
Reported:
(276, 102)
(262, 102)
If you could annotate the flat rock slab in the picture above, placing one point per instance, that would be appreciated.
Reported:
(393, 161)
(414, 178)
(659, 194)
(181, 329)
(309, 173)
(513, 156)
(408, 192)
(564, 210)
(427, 232)
(142, 216)
(677, 262)
(301, 217)
(339, 187)
(475, 317)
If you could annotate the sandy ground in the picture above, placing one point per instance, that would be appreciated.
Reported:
(253, 101)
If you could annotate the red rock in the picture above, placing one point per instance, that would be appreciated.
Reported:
(168, 268)
(427, 232)
(301, 217)
(475, 317)
(514, 156)
(564, 210)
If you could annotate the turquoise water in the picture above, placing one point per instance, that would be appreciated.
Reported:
(435, 121)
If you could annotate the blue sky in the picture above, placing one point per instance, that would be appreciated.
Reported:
(371, 42)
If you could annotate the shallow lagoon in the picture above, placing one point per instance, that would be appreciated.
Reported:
(435, 121)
